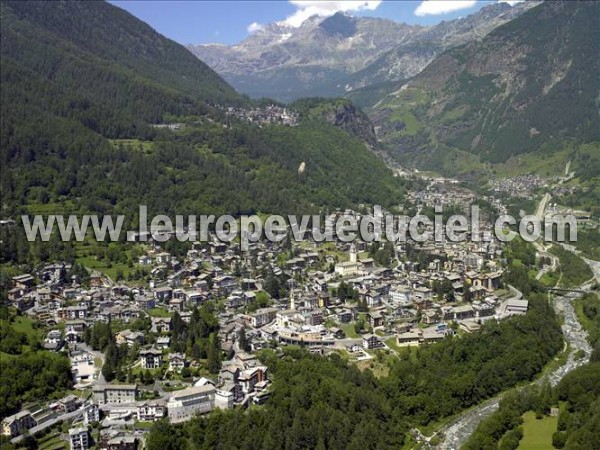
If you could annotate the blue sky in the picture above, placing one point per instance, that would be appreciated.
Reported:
(228, 22)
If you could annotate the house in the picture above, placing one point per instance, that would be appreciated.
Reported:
(185, 404)
(68, 404)
(431, 335)
(315, 317)
(122, 443)
(375, 319)
(161, 325)
(249, 284)
(151, 358)
(163, 342)
(163, 294)
(345, 316)
(145, 303)
(249, 378)
(229, 374)
(176, 304)
(409, 338)
(129, 337)
(430, 316)
(79, 438)
(151, 411)
(23, 282)
(224, 398)
(74, 312)
(263, 316)
(464, 312)
(114, 393)
(370, 342)
(514, 306)
(17, 424)
(347, 268)
(337, 333)
(91, 413)
(225, 284)
(176, 362)
(400, 294)
(53, 340)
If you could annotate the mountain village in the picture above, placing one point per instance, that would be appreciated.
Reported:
(338, 298)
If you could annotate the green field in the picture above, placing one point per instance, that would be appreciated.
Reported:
(537, 434)
(87, 255)
(159, 312)
(349, 330)
(25, 325)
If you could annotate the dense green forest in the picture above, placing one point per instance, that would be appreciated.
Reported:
(578, 420)
(325, 403)
(574, 270)
(578, 393)
(76, 135)
(28, 372)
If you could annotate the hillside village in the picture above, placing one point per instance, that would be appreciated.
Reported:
(357, 299)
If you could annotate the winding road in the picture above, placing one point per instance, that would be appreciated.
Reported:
(457, 432)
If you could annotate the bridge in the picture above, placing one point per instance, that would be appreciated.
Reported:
(566, 291)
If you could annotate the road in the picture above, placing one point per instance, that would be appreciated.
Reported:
(458, 431)
(83, 346)
(541, 208)
(62, 418)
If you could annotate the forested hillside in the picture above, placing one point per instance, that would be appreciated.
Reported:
(82, 85)
(531, 85)
(325, 403)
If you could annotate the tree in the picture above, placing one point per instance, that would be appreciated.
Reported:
(243, 344)
(214, 354)
(164, 436)
(559, 439)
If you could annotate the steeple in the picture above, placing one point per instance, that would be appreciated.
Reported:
(353, 253)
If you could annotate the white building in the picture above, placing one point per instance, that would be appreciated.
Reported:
(91, 413)
(151, 358)
(151, 411)
(79, 438)
(114, 393)
(185, 404)
(349, 268)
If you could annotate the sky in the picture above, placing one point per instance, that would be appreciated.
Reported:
(229, 22)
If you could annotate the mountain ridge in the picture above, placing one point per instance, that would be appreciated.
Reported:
(78, 130)
(504, 95)
(288, 63)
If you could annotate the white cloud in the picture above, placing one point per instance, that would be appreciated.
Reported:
(325, 8)
(511, 2)
(254, 27)
(434, 7)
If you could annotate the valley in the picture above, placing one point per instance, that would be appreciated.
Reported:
(352, 281)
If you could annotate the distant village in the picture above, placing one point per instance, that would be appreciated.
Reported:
(265, 115)
(339, 297)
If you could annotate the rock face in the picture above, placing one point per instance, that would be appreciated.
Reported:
(331, 56)
(352, 120)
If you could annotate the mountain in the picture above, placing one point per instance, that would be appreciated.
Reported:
(84, 85)
(102, 60)
(330, 56)
(408, 58)
(285, 62)
(530, 86)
